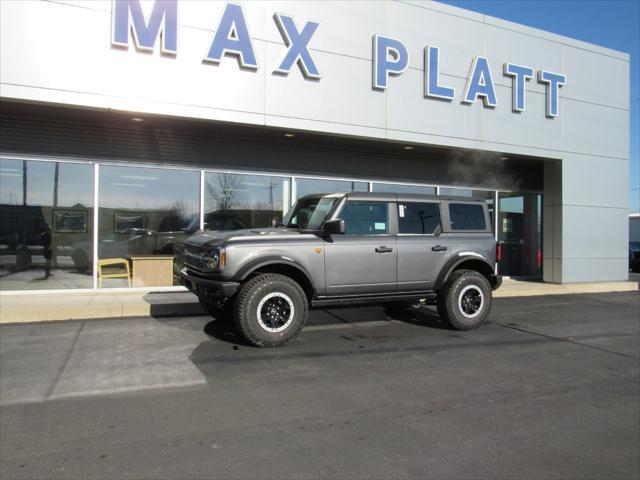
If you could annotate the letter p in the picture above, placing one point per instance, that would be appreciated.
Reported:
(390, 57)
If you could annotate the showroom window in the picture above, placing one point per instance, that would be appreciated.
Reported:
(403, 188)
(47, 238)
(234, 201)
(46, 225)
(307, 186)
(145, 215)
(457, 192)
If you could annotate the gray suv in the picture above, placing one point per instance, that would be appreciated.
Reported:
(347, 248)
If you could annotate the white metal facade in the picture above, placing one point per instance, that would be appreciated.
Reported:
(60, 52)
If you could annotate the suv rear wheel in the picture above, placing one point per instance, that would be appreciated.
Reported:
(464, 301)
(270, 310)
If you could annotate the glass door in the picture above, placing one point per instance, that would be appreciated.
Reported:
(520, 231)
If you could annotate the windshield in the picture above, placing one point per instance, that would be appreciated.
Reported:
(309, 213)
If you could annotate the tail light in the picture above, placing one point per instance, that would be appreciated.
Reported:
(498, 252)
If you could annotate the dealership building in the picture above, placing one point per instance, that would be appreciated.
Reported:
(126, 125)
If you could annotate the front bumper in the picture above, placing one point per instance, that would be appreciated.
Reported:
(207, 287)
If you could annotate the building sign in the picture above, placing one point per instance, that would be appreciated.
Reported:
(390, 57)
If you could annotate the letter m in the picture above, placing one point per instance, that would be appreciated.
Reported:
(127, 16)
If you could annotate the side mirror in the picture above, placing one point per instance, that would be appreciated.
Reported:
(333, 227)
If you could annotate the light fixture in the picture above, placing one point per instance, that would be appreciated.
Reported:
(289, 135)
(137, 119)
(408, 147)
(504, 158)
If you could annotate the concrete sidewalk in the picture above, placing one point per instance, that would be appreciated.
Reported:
(17, 308)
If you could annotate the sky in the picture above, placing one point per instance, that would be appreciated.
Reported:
(610, 23)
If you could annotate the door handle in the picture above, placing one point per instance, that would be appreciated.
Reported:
(438, 248)
(384, 249)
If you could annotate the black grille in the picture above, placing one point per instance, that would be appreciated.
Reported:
(196, 257)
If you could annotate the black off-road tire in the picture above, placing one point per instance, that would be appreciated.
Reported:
(247, 303)
(221, 312)
(450, 302)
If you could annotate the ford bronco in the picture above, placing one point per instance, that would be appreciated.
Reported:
(347, 248)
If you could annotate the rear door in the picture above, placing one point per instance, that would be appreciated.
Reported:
(421, 253)
(364, 259)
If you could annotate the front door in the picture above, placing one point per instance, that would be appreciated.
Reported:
(364, 259)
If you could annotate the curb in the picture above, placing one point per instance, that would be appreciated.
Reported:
(529, 289)
(46, 308)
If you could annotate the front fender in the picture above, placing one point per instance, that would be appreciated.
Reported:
(257, 263)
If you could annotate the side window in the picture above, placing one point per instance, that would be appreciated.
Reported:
(418, 218)
(466, 216)
(366, 218)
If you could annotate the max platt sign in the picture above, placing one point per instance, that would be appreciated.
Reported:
(390, 56)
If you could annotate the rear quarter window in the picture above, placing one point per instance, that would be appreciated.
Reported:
(466, 216)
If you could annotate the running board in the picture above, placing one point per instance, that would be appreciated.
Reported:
(357, 300)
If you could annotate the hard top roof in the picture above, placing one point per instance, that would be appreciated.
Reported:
(392, 197)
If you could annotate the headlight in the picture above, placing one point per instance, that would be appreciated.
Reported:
(217, 260)
(212, 264)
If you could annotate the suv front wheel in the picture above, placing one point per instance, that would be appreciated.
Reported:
(270, 310)
(464, 301)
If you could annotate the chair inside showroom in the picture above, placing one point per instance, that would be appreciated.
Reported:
(113, 268)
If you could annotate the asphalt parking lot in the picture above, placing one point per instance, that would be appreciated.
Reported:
(549, 389)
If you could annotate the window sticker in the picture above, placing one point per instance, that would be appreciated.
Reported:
(401, 211)
(380, 226)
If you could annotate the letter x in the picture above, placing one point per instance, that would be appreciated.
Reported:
(298, 43)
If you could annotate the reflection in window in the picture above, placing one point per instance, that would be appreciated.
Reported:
(46, 218)
(400, 188)
(65, 221)
(418, 218)
(457, 192)
(234, 201)
(310, 213)
(145, 216)
(365, 218)
(307, 186)
(124, 222)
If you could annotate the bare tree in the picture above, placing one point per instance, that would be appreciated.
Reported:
(224, 189)
(178, 208)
